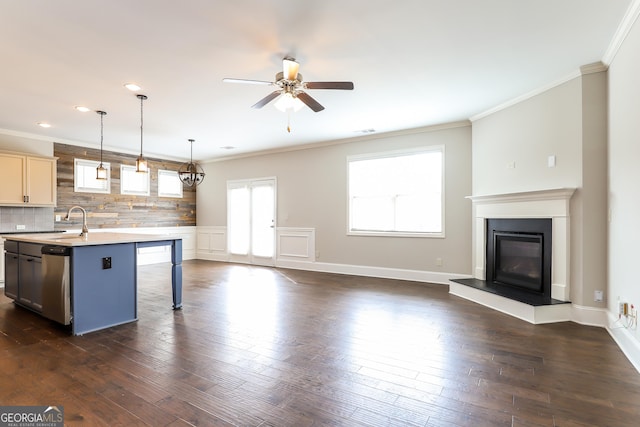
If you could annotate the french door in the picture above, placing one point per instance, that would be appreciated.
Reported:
(251, 220)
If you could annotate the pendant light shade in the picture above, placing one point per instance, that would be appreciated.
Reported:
(191, 173)
(101, 171)
(141, 163)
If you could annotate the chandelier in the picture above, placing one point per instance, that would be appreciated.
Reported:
(191, 173)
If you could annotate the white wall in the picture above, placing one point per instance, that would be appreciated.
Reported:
(21, 144)
(523, 136)
(624, 181)
(312, 190)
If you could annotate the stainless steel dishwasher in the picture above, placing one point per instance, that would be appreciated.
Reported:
(56, 285)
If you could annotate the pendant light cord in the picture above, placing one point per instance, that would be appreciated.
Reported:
(101, 135)
(141, 121)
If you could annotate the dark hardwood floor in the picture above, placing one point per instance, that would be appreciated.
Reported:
(272, 347)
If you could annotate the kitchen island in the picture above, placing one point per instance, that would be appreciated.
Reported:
(94, 274)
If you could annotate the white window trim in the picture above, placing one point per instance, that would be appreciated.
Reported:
(94, 165)
(173, 174)
(125, 184)
(386, 154)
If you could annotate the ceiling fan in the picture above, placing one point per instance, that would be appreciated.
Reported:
(291, 88)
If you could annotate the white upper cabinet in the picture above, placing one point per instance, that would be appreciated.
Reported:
(27, 180)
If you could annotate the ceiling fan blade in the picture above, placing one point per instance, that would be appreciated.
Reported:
(329, 85)
(267, 99)
(311, 103)
(253, 82)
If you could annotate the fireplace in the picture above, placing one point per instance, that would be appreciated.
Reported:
(518, 245)
(518, 254)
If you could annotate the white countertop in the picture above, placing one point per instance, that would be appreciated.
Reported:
(95, 238)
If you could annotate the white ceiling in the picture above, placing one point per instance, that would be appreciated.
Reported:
(414, 63)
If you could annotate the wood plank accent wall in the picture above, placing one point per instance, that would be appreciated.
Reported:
(117, 210)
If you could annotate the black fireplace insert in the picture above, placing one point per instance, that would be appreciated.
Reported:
(518, 254)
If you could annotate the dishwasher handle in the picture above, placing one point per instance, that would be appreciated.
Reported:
(56, 250)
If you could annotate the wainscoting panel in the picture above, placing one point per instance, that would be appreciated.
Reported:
(212, 243)
(297, 244)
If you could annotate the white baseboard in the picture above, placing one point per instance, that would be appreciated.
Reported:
(629, 344)
(590, 316)
(213, 256)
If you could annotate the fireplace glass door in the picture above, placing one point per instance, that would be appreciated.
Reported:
(518, 260)
(518, 254)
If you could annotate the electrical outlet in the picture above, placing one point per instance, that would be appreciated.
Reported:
(106, 263)
(439, 262)
(598, 296)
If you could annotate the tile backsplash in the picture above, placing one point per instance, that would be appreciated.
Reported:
(33, 219)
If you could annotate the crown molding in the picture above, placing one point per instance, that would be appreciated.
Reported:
(630, 17)
(528, 95)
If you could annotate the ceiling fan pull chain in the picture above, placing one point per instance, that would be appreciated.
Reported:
(289, 121)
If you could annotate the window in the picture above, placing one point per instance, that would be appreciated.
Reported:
(84, 177)
(169, 184)
(397, 193)
(134, 183)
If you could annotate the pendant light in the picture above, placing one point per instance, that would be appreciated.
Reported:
(101, 171)
(141, 163)
(191, 173)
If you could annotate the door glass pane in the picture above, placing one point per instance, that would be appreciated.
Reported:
(262, 220)
(238, 220)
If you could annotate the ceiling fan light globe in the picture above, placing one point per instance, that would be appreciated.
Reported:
(287, 103)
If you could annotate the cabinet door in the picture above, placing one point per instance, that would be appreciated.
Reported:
(36, 284)
(11, 275)
(1, 261)
(30, 282)
(25, 271)
(41, 181)
(12, 174)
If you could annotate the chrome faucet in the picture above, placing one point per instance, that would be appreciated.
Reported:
(85, 230)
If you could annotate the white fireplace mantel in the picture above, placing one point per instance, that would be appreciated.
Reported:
(554, 204)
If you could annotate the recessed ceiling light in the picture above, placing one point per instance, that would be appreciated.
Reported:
(228, 147)
(365, 130)
(44, 125)
(132, 87)
(82, 108)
